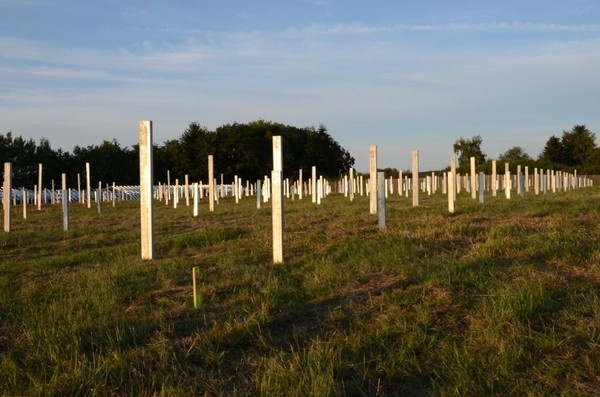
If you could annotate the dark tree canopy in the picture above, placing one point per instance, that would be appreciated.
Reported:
(245, 150)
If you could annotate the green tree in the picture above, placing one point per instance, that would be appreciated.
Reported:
(553, 155)
(515, 156)
(467, 148)
(579, 146)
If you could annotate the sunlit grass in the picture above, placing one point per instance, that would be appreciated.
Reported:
(498, 298)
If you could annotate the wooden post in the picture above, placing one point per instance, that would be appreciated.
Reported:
(351, 184)
(39, 190)
(313, 183)
(300, 186)
(277, 201)
(89, 185)
(211, 184)
(65, 202)
(507, 180)
(187, 190)
(373, 179)
(415, 178)
(451, 184)
(146, 184)
(7, 196)
(473, 181)
(196, 197)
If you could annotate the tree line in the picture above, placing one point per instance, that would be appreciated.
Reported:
(574, 150)
(242, 149)
(245, 150)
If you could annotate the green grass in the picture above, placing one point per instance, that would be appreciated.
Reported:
(501, 298)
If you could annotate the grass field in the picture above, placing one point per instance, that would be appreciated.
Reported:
(497, 299)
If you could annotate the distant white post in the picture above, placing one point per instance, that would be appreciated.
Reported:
(6, 197)
(146, 180)
(277, 201)
(415, 178)
(373, 179)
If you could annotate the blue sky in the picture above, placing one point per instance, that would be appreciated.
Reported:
(401, 75)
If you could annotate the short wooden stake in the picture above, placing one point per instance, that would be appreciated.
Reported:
(197, 295)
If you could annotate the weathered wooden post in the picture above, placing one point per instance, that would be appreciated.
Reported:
(381, 200)
(146, 184)
(7, 196)
(415, 178)
(277, 201)
(211, 184)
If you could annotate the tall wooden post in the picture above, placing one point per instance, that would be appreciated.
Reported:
(39, 190)
(415, 178)
(146, 184)
(7, 196)
(494, 179)
(473, 180)
(211, 184)
(451, 184)
(65, 202)
(277, 201)
(373, 179)
(89, 185)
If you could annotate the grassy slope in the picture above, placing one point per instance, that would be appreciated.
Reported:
(500, 298)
